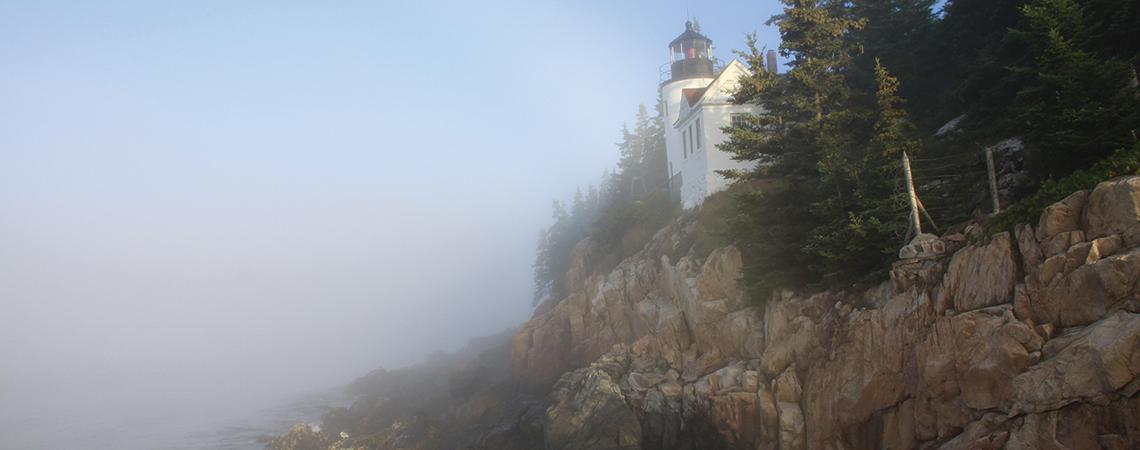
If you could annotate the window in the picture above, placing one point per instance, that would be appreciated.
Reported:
(691, 146)
(700, 134)
(739, 121)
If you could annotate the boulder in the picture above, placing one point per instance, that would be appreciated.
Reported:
(1115, 425)
(981, 275)
(1062, 216)
(898, 427)
(1097, 360)
(744, 420)
(787, 386)
(1028, 247)
(1089, 291)
(301, 436)
(1113, 207)
(645, 381)
(863, 374)
(1061, 242)
(720, 275)
(992, 347)
(588, 410)
(1131, 236)
(792, 436)
(950, 127)
(924, 245)
(791, 332)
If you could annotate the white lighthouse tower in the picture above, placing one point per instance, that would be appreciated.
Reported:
(691, 67)
(698, 105)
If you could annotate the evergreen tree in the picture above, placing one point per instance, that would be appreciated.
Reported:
(1113, 30)
(972, 57)
(543, 279)
(863, 229)
(898, 33)
(1075, 108)
(641, 167)
(629, 150)
(656, 164)
(801, 140)
(611, 209)
(552, 257)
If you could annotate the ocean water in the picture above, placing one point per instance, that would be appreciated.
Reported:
(188, 424)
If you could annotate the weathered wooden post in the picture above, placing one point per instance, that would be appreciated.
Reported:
(993, 179)
(926, 214)
(911, 197)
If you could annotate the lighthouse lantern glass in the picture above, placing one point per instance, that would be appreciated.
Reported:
(690, 50)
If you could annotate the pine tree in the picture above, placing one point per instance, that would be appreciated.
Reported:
(972, 55)
(759, 138)
(543, 279)
(801, 139)
(629, 151)
(1076, 108)
(898, 33)
(1113, 30)
(552, 256)
(642, 162)
(655, 162)
(864, 229)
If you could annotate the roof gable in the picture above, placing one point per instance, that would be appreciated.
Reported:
(717, 91)
(693, 95)
(725, 82)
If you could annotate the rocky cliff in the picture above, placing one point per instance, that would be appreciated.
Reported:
(1029, 339)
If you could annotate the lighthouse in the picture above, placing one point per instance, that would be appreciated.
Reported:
(698, 104)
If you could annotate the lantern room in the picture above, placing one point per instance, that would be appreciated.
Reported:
(690, 55)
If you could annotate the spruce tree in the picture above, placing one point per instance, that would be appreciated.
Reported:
(973, 57)
(800, 140)
(656, 164)
(863, 230)
(542, 268)
(1075, 108)
(898, 33)
(1113, 30)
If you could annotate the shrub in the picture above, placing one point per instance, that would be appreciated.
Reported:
(1125, 161)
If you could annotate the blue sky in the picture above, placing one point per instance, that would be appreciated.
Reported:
(191, 187)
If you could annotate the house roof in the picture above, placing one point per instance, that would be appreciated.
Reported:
(689, 34)
(693, 95)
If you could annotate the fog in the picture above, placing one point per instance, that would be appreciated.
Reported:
(209, 207)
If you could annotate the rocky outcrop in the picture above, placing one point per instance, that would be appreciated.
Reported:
(1028, 339)
(1113, 208)
(589, 410)
(980, 275)
(301, 436)
(693, 309)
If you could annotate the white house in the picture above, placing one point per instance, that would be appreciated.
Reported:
(697, 105)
